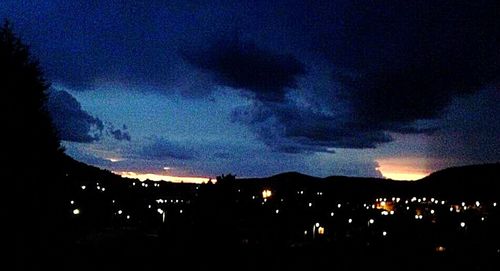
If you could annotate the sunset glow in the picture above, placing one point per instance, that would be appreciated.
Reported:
(402, 168)
(159, 177)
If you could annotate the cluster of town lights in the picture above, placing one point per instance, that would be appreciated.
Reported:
(386, 207)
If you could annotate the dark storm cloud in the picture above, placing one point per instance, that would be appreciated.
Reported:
(394, 64)
(408, 59)
(119, 134)
(75, 124)
(81, 44)
(71, 121)
(292, 129)
(161, 148)
(471, 130)
(390, 64)
(242, 65)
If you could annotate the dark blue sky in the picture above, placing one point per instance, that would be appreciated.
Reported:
(200, 88)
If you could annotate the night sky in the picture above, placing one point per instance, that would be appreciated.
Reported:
(199, 88)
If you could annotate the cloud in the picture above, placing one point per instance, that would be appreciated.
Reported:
(292, 129)
(118, 134)
(470, 130)
(77, 125)
(406, 61)
(353, 71)
(393, 67)
(162, 148)
(71, 121)
(243, 65)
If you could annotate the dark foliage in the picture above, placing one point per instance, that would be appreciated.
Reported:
(30, 151)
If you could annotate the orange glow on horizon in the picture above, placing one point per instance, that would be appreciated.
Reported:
(403, 168)
(159, 177)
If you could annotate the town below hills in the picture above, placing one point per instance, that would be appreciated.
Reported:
(289, 221)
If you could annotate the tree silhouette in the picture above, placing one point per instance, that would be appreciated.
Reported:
(30, 152)
(26, 122)
(226, 179)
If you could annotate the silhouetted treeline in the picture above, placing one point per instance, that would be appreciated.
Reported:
(30, 152)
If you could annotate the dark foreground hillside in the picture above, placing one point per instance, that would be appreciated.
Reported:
(290, 221)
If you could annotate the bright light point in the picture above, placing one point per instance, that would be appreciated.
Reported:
(120, 212)
(462, 224)
(384, 213)
(149, 206)
(371, 221)
(103, 189)
(277, 211)
(463, 203)
(391, 212)
(478, 204)
(266, 193)
(482, 218)
(167, 168)
(83, 187)
(339, 205)
(349, 221)
(384, 233)
(310, 204)
(494, 204)
(317, 224)
(160, 211)
(440, 249)
(128, 217)
(72, 202)
(305, 232)
(442, 202)
(332, 214)
(180, 211)
(321, 230)
(76, 211)
(432, 212)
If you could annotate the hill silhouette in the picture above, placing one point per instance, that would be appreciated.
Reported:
(474, 181)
